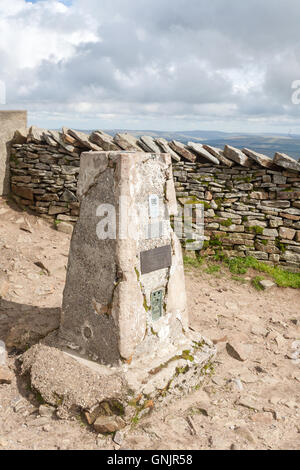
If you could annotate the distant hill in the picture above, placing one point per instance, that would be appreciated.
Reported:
(266, 143)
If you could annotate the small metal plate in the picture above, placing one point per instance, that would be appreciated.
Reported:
(158, 258)
(157, 304)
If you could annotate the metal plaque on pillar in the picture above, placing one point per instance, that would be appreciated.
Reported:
(158, 258)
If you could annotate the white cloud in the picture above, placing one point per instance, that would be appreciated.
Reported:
(34, 32)
(164, 63)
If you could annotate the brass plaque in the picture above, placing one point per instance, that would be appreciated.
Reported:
(158, 258)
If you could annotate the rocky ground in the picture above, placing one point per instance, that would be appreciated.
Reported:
(250, 402)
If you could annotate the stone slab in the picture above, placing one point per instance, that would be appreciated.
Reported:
(127, 142)
(237, 156)
(259, 158)
(148, 144)
(200, 150)
(183, 151)
(289, 163)
(219, 154)
(104, 141)
(164, 145)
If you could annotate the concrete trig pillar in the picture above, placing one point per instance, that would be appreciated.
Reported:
(125, 288)
(124, 311)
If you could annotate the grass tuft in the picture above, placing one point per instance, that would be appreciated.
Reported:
(256, 282)
(193, 262)
(282, 277)
(239, 266)
(212, 269)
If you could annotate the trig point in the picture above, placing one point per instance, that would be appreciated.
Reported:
(125, 299)
(125, 291)
(124, 313)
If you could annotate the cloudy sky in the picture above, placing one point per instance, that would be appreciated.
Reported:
(153, 64)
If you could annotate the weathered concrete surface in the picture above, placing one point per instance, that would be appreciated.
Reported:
(92, 273)
(10, 121)
(67, 383)
(106, 312)
(74, 385)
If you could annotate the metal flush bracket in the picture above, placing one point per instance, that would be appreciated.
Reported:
(157, 304)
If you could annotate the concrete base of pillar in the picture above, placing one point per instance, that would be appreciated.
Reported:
(76, 384)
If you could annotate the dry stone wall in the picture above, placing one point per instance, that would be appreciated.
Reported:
(252, 212)
(251, 202)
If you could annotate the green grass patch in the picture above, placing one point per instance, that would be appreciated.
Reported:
(193, 262)
(280, 245)
(194, 200)
(239, 266)
(219, 201)
(214, 268)
(215, 242)
(257, 229)
(219, 255)
(227, 223)
(256, 283)
(282, 277)
(239, 279)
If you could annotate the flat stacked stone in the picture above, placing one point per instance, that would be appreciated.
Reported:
(204, 154)
(165, 147)
(219, 154)
(127, 142)
(289, 163)
(237, 156)
(148, 144)
(104, 141)
(183, 151)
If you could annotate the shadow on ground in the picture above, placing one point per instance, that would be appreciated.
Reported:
(22, 326)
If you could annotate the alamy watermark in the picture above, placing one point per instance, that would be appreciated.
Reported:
(2, 92)
(296, 93)
(150, 220)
